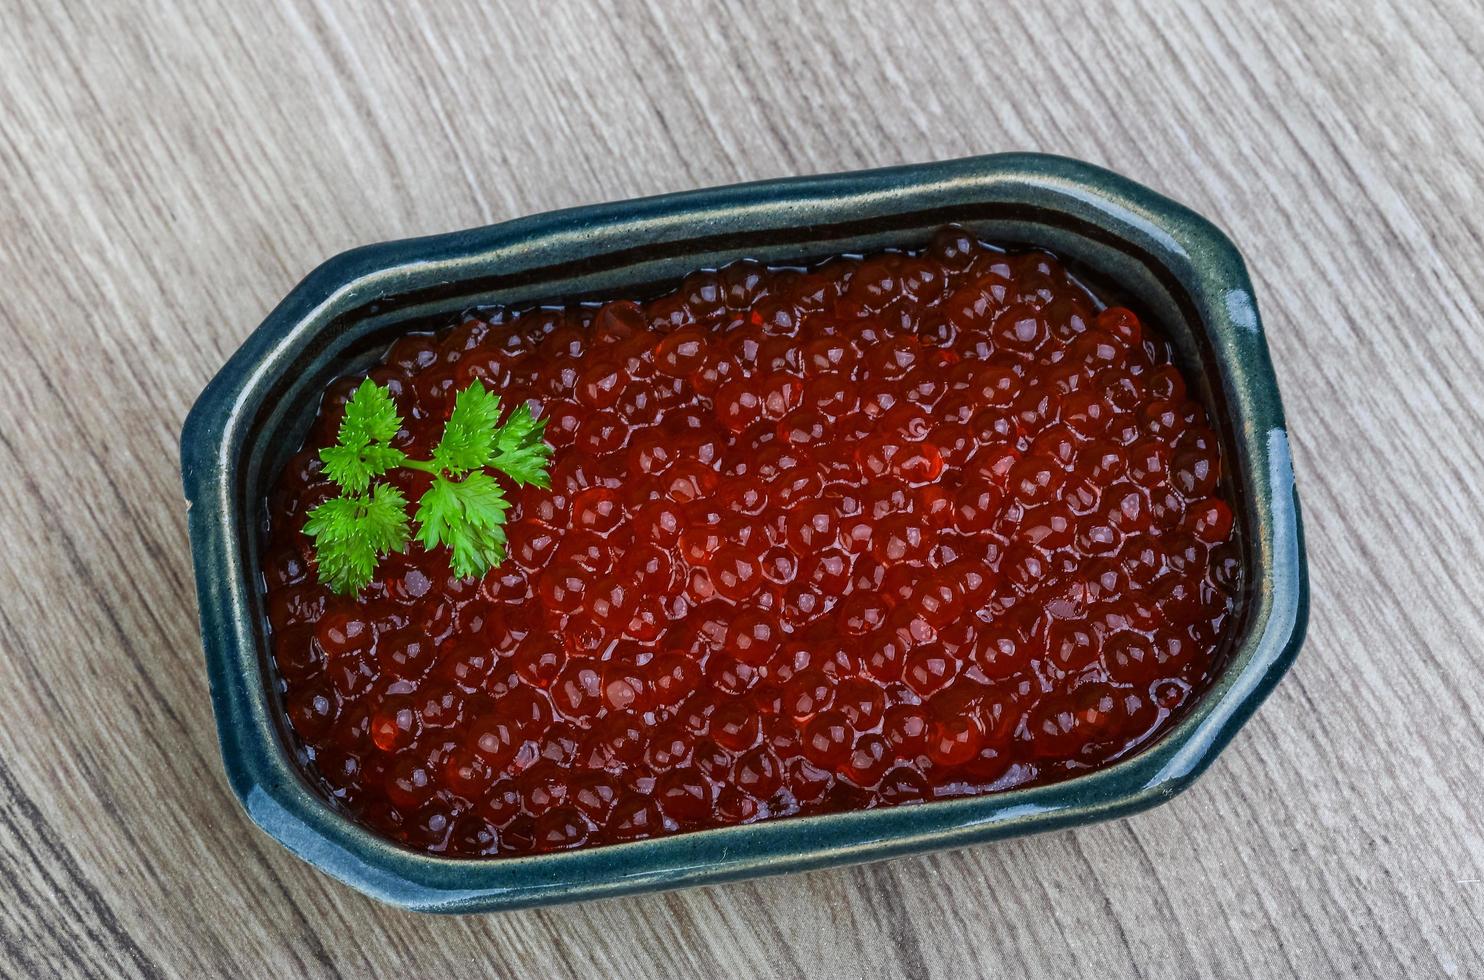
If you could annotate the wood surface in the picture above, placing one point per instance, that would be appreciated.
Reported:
(168, 171)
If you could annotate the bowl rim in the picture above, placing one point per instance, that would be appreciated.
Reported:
(266, 780)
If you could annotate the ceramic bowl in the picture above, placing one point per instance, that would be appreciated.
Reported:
(1172, 263)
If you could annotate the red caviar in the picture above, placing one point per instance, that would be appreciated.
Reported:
(896, 528)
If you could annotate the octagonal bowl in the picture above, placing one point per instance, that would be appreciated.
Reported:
(1175, 265)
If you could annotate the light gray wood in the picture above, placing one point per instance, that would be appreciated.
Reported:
(169, 170)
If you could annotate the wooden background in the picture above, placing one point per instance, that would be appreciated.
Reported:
(168, 172)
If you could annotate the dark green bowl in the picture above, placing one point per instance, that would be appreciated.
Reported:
(1174, 264)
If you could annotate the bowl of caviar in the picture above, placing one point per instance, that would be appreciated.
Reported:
(743, 530)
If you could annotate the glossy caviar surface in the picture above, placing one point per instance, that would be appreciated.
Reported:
(911, 526)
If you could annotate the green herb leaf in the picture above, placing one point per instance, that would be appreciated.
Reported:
(465, 507)
(469, 517)
(468, 441)
(520, 453)
(370, 416)
(362, 451)
(353, 467)
(353, 532)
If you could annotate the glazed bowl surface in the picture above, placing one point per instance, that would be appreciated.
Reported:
(1172, 264)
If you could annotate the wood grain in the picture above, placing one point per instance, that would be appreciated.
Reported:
(168, 171)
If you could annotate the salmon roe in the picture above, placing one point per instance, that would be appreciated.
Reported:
(911, 526)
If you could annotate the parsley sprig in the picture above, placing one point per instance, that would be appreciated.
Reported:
(465, 507)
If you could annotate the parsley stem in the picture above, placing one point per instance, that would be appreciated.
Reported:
(426, 465)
